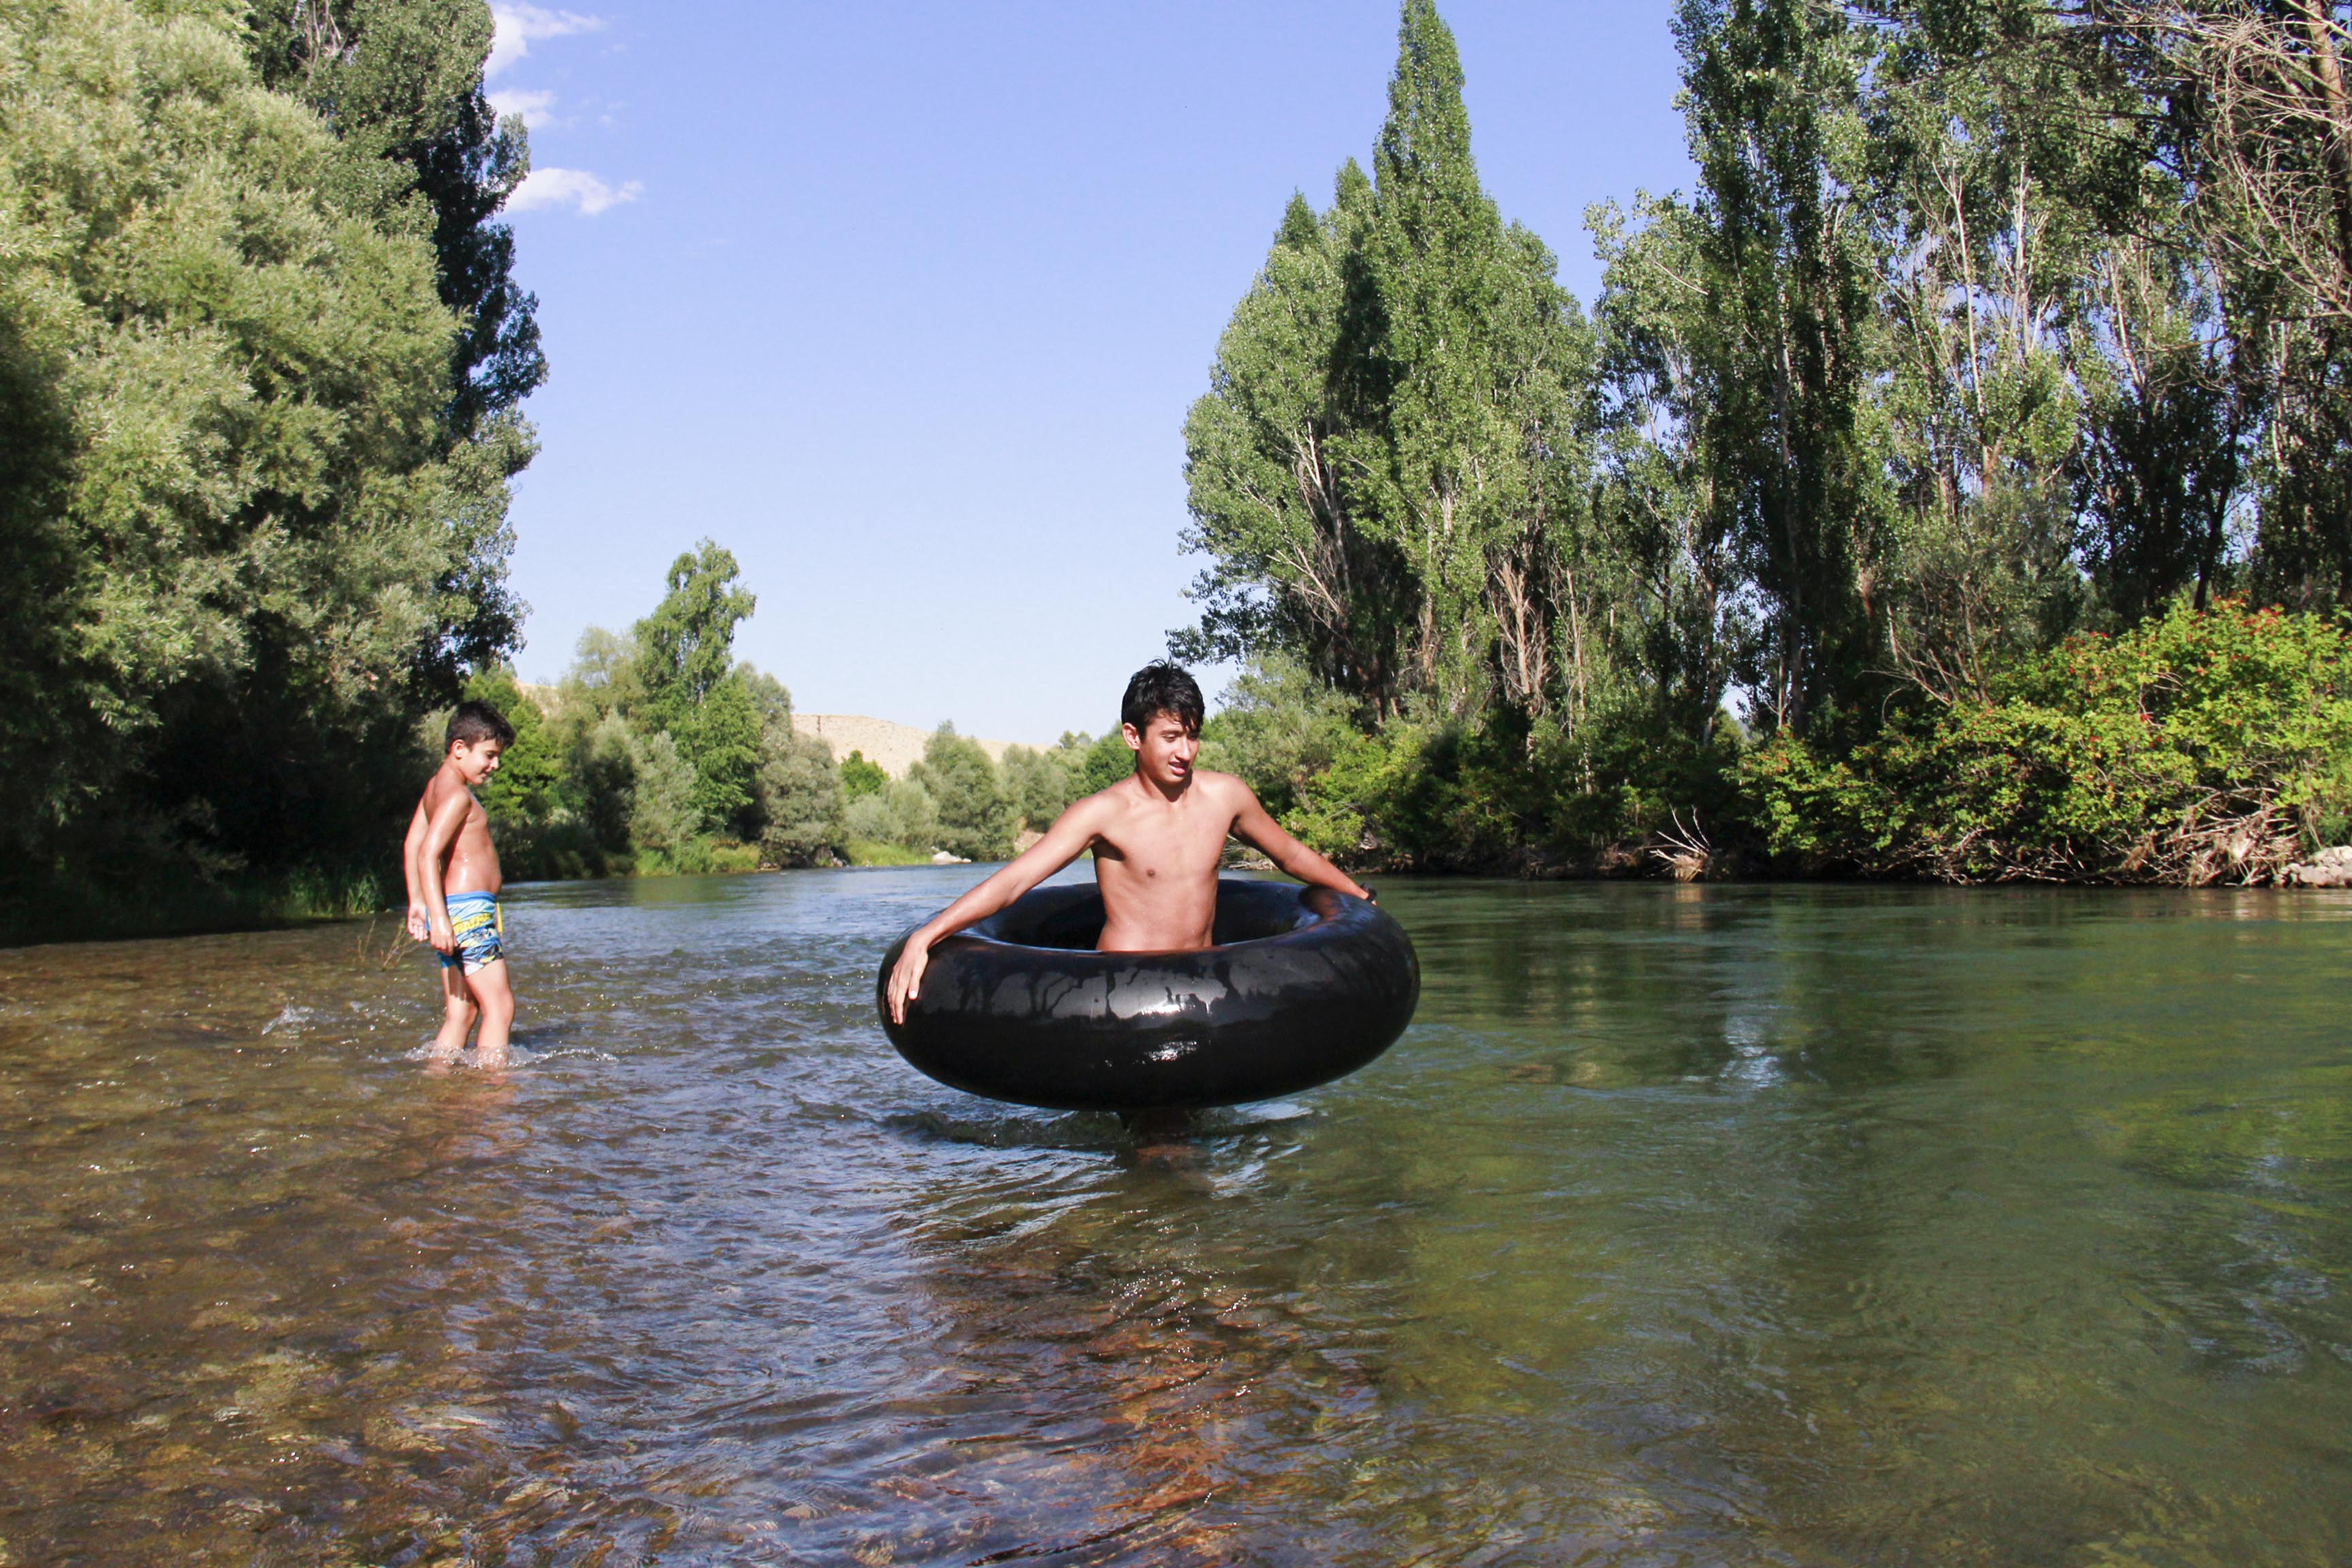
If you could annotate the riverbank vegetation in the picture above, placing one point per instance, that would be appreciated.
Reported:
(260, 357)
(659, 753)
(1954, 484)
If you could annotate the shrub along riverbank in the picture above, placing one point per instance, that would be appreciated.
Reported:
(2196, 749)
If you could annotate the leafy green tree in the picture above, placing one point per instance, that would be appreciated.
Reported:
(1272, 503)
(2245, 104)
(799, 800)
(860, 778)
(400, 82)
(662, 814)
(685, 648)
(1105, 760)
(2162, 462)
(865, 820)
(1039, 784)
(976, 819)
(602, 677)
(720, 737)
(907, 816)
(1788, 264)
(1478, 362)
(600, 776)
(770, 698)
(1677, 625)
(1280, 729)
(232, 533)
(686, 652)
(1388, 470)
(527, 786)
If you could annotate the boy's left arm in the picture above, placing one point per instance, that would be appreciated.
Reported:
(1256, 827)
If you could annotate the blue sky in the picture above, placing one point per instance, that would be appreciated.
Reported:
(904, 303)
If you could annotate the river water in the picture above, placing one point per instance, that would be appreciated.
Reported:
(1687, 1226)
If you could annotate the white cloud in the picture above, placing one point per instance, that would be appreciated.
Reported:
(532, 107)
(570, 188)
(519, 23)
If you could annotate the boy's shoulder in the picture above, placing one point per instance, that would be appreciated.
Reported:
(439, 787)
(1220, 784)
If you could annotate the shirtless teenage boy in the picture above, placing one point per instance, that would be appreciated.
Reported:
(1157, 835)
(452, 887)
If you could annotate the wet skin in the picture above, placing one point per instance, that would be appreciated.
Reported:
(1157, 835)
(449, 851)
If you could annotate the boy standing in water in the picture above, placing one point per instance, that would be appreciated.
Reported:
(452, 887)
(1157, 835)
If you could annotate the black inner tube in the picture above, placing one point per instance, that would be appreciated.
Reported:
(1302, 985)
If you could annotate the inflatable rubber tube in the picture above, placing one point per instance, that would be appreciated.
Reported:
(1304, 984)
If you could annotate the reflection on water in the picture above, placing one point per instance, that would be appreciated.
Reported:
(1771, 1225)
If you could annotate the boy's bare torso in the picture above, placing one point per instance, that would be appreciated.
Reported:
(1157, 836)
(1156, 860)
(472, 863)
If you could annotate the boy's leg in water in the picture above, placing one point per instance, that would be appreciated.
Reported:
(496, 999)
(456, 1015)
(1159, 1132)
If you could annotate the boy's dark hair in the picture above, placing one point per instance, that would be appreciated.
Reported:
(1162, 688)
(474, 723)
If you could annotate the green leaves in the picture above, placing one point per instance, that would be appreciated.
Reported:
(2201, 747)
(800, 799)
(687, 647)
(686, 670)
(400, 82)
(230, 511)
(1393, 443)
(976, 819)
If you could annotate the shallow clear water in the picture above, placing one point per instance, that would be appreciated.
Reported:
(1687, 1226)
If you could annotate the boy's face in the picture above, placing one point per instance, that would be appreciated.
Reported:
(1164, 749)
(476, 760)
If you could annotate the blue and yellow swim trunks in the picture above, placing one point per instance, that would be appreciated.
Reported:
(481, 931)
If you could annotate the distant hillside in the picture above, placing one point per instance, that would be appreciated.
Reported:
(891, 747)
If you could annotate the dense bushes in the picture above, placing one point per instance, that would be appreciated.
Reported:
(2201, 747)
(2194, 749)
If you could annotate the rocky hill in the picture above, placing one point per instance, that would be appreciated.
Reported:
(889, 746)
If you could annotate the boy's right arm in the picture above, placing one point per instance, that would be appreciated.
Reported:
(412, 854)
(1063, 843)
(440, 832)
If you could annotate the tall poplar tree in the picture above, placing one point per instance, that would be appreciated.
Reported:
(692, 690)
(1771, 91)
(1274, 499)
(1475, 359)
(1388, 466)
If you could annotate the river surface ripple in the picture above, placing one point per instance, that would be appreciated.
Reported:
(1687, 1226)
